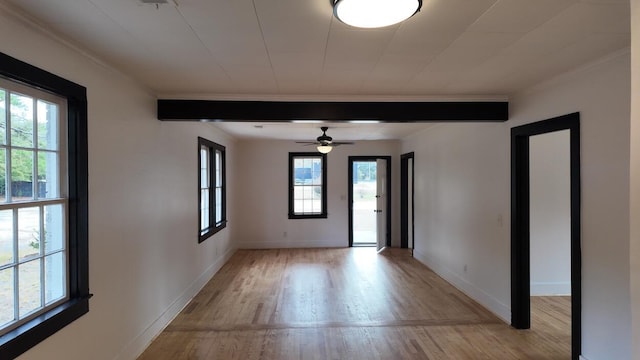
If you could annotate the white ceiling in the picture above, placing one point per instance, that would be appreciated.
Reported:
(310, 131)
(296, 48)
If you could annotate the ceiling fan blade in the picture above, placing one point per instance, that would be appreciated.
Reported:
(325, 140)
(336, 143)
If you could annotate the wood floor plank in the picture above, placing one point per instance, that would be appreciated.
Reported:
(348, 304)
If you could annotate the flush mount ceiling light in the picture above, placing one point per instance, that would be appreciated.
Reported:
(374, 13)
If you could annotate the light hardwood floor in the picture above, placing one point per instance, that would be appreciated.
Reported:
(344, 304)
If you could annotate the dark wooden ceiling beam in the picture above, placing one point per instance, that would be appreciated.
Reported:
(286, 111)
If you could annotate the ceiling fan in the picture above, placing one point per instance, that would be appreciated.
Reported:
(325, 142)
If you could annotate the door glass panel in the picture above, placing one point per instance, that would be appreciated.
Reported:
(364, 202)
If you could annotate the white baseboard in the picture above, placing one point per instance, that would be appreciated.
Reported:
(492, 304)
(551, 288)
(142, 341)
(290, 244)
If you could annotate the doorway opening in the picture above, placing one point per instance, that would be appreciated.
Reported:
(406, 201)
(369, 201)
(534, 220)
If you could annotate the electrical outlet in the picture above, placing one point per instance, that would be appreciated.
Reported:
(465, 268)
(284, 234)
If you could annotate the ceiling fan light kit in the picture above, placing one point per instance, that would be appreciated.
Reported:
(325, 149)
(374, 13)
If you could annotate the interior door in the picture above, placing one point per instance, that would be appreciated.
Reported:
(381, 203)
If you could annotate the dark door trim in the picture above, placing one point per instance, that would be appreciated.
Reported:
(353, 159)
(520, 231)
(404, 195)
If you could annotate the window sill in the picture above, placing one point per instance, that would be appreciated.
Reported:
(212, 231)
(308, 216)
(26, 336)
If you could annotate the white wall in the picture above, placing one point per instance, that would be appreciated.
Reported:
(462, 208)
(462, 198)
(262, 185)
(601, 94)
(145, 262)
(550, 213)
(634, 251)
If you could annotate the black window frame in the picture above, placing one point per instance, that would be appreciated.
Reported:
(323, 214)
(216, 226)
(29, 334)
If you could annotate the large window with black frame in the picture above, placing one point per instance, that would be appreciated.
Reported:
(43, 205)
(212, 188)
(307, 185)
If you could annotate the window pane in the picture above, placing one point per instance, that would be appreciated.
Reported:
(6, 237)
(204, 178)
(297, 206)
(204, 209)
(3, 117)
(21, 120)
(3, 176)
(204, 168)
(29, 287)
(54, 278)
(317, 171)
(28, 232)
(7, 300)
(302, 171)
(218, 205)
(317, 206)
(48, 175)
(22, 174)
(307, 192)
(54, 234)
(218, 168)
(47, 125)
(307, 206)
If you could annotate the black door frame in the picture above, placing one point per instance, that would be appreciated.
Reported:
(404, 195)
(520, 226)
(353, 159)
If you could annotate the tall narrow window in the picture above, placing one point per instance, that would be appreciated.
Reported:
(43, 205)
(33, 204)
(307, 185)
(212, 195)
